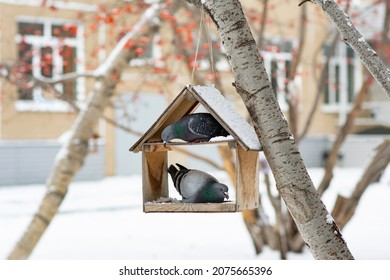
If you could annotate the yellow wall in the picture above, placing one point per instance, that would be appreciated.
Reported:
(284, 18)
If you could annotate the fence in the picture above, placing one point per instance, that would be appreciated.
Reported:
(30, 162)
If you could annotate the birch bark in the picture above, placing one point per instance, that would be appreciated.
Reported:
(72, 155)
(249, 216)
(293, 182)
(355, 40)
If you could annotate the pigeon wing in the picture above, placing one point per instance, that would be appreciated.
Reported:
(194, 180)
(210, 193)
(203, 125)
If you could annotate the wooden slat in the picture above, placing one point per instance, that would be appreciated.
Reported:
(152, 207)
(156, 147)
(154, 175)
(159, 146)
(247, 167)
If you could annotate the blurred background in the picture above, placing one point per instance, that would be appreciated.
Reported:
(55, 55)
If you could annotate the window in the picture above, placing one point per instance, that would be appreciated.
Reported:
(277, 55)
(48, 49)
(148, 52)
(343, 78)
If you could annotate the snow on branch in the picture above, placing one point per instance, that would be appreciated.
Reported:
(66, 77)
(356, 41)
(4, 70)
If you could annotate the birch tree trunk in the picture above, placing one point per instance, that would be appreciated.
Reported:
(71, 156)
(355, 40)
(292, 179)
(250, 217)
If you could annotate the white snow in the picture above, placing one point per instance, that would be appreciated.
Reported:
(104, 220)
(42, 105)
(329, 219)
(223, 108)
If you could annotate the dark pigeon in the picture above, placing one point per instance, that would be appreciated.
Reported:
(196, 186)
(198, 127)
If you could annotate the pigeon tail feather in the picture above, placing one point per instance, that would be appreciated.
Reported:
(181, 166)
(177, 175)
(172, 170)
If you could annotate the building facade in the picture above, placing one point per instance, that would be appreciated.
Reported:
(49, 39)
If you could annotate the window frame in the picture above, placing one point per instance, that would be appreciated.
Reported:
(281, 57)
(152, 55)
(47, 39)
(337, 92)
(274, 51)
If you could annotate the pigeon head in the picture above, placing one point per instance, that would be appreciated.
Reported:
(166, 135)
(215, 193)
(173, 131)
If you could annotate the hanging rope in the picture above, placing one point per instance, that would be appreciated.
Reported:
(197, 44)
(210, 43)
(210, 46)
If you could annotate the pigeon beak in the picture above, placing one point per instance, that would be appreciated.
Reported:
(226, 195)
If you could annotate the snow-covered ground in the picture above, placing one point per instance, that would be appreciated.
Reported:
(104, 220)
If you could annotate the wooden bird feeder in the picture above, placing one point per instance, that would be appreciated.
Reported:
(155, 154)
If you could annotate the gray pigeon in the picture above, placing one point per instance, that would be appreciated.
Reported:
(198, 127)
(196, 186)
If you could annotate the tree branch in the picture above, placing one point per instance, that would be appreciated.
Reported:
(344, 208)
(293, 96)
(65, 78)
(342, 134)
(320, 90)
(355, 40)
(260, 37)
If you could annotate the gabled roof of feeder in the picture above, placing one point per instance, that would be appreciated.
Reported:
(213, 101)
